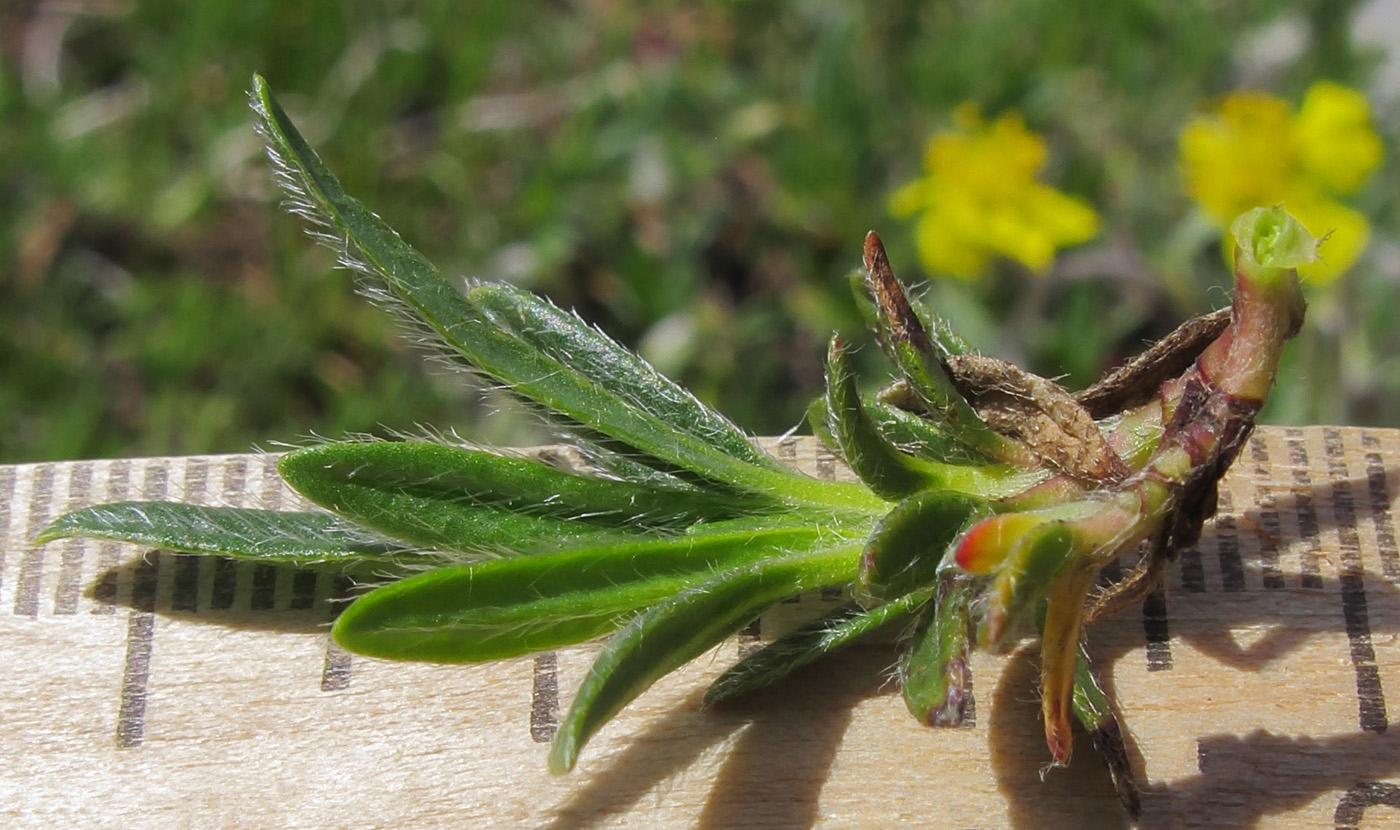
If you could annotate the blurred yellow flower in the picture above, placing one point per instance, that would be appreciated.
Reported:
(1254, 151)
(980, 200)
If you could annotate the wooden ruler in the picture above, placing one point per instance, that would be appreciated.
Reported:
(141, 688)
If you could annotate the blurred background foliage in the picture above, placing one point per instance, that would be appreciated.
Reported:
(695, 178)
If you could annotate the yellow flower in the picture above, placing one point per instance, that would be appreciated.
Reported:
(980, 199)
(1254, 151)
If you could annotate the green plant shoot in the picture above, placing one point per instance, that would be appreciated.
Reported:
(990, 498)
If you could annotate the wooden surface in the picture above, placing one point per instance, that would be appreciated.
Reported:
(145, 689)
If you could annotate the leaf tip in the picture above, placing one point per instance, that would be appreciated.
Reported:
(295, 465)
(72, 524)
(260, 98)
(563, 753)
(873, 251)
(53, 532)
(354, 629)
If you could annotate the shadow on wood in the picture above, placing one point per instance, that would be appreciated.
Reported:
(224, 591)
(771, 776)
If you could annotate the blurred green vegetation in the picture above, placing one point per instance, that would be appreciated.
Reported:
(693, 177)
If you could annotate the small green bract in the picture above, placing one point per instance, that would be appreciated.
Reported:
(990, 499)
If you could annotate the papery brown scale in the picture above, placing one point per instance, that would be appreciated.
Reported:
(1137, 381)
(1039, 413)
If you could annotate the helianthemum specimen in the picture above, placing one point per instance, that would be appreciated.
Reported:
(991, 498)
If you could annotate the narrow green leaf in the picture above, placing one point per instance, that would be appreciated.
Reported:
(508, 607)
(585, 388)
(907, 546)
(268, 535)
(432, 520)
(867, 309)
(621, 462)
(938, 457)
(929, 382)
(1091, 704)
(884, 469)
(819, 420)
(682, 628)
(586, 350)
(920, 437)
(942, 334)
(1096, 712)
(438, 524)
(456, 478)
(810, 642)
(936, 681)
(557, 387)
